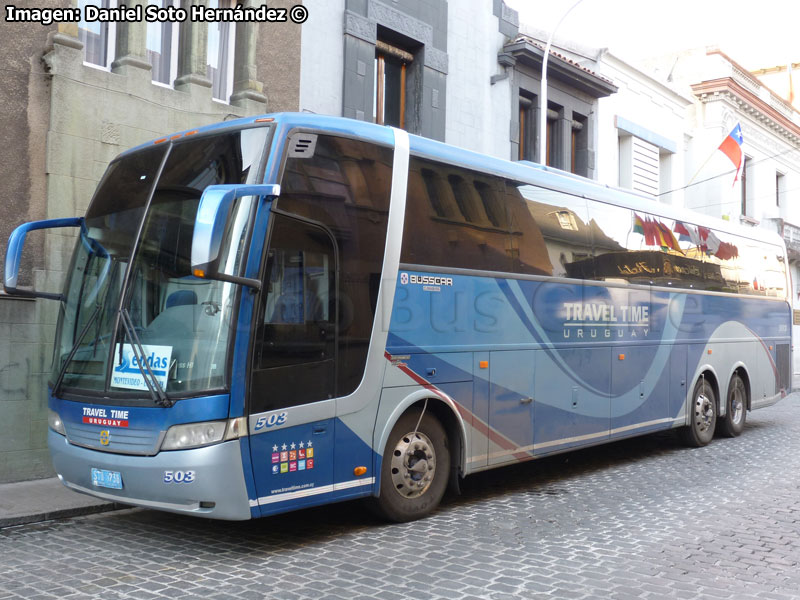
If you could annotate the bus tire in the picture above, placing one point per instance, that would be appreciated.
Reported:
(414, 469)
(703, 415)
(733, 422)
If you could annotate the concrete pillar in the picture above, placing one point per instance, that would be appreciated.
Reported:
(66, 34)
(131, 48)
(246, 87)
(193, 54)
(564, 143)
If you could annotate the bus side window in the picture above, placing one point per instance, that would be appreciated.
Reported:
(345, 186)
(295, 344)
(456, 218)
(561, 220)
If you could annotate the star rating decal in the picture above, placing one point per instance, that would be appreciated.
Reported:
(290, 459)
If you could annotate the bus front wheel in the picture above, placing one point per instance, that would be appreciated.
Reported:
(733, 422)
(415, 468)
(703, 415)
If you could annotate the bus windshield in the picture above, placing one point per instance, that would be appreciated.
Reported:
(132, 259)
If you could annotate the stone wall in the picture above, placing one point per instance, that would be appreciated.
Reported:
(61, 122)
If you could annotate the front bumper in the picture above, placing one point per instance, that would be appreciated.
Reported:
(216, 488)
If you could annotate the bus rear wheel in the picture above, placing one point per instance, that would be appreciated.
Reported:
(414, 469)
(733, 422)
(703, 415)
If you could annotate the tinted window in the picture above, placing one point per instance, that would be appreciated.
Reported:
(345, 186)
(455, 218)
(295, 340)
(563, 222)
(465, 219)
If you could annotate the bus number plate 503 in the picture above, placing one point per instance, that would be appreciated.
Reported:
(270, 421)
(179, 476)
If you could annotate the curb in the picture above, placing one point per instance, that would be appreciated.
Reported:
(64, 513)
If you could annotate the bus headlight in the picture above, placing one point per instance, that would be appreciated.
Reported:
(55, 423)
(195, 435)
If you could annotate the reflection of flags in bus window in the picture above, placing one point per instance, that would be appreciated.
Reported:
(710, 239)
(646, 228)
(689, 233)
(649, 232)
(667, 238)
(638, 224)
(727, 251)
(683, 232)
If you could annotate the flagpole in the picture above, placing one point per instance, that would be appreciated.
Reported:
(701, 167)
(725, 150)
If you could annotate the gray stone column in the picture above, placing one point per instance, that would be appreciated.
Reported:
(64, 51)
(66, 34)
(193, 54)
(564, 135)
(131, 48)
(247, 90)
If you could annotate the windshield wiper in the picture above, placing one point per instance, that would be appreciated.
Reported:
(153, 385)
(75, 347)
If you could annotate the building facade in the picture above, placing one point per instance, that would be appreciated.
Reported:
(765, 190)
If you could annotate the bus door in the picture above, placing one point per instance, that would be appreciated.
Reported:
(573, 403)
(511, 405)
(293, 378)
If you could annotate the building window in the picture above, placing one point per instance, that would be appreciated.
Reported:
(162, 47)
(527, 125)
(639, 165)
(389, 97)
(566, 220)
(220, 54)
(98, 37)
(780, 182)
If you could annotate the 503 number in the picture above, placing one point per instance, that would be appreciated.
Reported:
(179, 476)
(270, 421)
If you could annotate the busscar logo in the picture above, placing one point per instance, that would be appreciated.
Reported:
(425, 279)
(105, 437)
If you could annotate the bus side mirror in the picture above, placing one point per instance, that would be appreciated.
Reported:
(218, 227)
(16, 242)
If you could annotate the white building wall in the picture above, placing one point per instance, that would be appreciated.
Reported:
(768, 145)
(658, 116)
(322, 57)
(478, 113)
(710, 173)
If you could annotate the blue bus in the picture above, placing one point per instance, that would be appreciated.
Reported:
(285, 311)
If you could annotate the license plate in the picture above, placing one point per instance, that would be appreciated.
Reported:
(107, 479)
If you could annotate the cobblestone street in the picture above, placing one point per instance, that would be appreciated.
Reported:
(645, 518)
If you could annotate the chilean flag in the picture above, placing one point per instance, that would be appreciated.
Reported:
(731, 146)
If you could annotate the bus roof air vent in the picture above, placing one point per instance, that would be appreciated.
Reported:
(302, 145)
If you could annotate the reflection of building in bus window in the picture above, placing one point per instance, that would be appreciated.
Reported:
(561, 221)
(345, 187)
